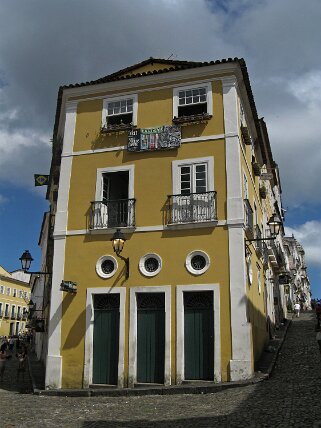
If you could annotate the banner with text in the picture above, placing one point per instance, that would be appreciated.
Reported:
(150, 139)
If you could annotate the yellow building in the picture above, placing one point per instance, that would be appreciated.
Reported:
(171, 153)
(14, 298)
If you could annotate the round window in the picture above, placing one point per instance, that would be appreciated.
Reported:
(197, 262)
(150, 264)
(106, 266)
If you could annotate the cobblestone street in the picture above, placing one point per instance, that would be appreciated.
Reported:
(290, 398)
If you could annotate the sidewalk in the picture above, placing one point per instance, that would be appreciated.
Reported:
(263, 370)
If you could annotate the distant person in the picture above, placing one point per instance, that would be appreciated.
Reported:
(318, 337)
(22, 360)
(11, 344)
(3, 359)
(318, 312)
(297, 308)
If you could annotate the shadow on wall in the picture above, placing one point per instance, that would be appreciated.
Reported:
(262, 328)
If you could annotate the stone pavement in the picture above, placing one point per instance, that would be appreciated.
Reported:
(290, 397)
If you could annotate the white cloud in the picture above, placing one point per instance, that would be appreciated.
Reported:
(42, 48)
(309, 236)
(23, 154)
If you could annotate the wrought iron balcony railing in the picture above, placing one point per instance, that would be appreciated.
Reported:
(192, 208)
(248, 219)
(110, 214)
(258, 243)
(265, 254)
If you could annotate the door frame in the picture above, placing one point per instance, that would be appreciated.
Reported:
(89, 336)
(180, 360)
(132, 369)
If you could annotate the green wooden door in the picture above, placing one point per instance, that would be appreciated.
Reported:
(150, 337)
(199, 335)
(106, 339)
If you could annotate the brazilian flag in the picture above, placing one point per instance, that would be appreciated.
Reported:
(41, 179)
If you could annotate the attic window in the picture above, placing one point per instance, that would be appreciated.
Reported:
(119, 113)
(193, 103)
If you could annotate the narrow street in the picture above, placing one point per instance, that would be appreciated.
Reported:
(290, 398)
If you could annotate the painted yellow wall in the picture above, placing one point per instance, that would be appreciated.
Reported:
(82, 253)
(152, 184)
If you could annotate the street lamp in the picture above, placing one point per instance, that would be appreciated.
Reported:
(118, 241)
(26, 260)
(274, 224)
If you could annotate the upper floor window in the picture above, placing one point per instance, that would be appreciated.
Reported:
(8, 291)
(14, 292)
(193, 178)
(6, 313)
(195, 100)
(1, 289)
(194, 198)
(245, 187)
(20, 294)
(114, 205)
(120, 112)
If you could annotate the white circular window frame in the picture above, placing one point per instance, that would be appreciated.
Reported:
(249, 270)
(188, 262)
(99, 269)
(142, 264)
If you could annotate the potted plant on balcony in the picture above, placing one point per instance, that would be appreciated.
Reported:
(262, 192)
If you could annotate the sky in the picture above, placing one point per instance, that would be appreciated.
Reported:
(45, 44)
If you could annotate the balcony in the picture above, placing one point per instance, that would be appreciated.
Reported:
(248, 219)
(276, 256)
(192, 208)
(265, 254)
(112, 214)
(259, 243)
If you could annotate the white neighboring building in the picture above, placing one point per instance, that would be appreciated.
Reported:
(299, 289)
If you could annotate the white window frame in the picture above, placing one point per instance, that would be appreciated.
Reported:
(13, 311)
(176, 165)
(142, 264)
(1, 289)
(249, 269)
(99, 269)
(8, 291)
(209, 97)
(7, 312)
(89, 336)
(189, 266)
(134, 97)
(259, 285)
(132, 358)
(100, 180)
(245, 186)
(180, 363)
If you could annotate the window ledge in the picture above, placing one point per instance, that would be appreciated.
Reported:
(117, 128)
(192, 225)
(111, 231)
(192, 118)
